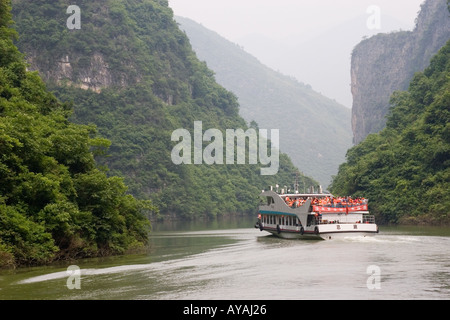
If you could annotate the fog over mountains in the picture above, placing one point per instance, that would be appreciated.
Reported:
(321, 58)
(314, 130)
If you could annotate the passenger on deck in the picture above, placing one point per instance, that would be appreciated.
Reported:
(287, 200)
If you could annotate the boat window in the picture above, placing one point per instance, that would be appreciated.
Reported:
(309, 220)
(270, 200)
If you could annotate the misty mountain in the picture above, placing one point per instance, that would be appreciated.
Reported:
(386, 63)
(314, 130)
(320, 58)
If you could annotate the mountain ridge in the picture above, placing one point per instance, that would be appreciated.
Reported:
(385, 63)
(405, 168)
(155, 86)
(314, 130)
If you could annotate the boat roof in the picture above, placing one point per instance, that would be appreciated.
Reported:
(314, 195)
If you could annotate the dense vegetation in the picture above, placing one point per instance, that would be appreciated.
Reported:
(155, 84)
(54, 201)
(405, 169)
(315, 131)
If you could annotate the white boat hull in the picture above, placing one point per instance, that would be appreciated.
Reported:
(305, 220)
(325, 232)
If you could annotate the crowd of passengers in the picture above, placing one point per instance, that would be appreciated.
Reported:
(333, 202)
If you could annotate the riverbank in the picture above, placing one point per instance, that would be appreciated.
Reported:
(425, 220)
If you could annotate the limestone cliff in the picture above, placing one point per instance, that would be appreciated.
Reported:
(386, 63)
(101, 54)
(95, 76)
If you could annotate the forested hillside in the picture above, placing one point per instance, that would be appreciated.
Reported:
(405, 169)
(54, 200)
(315, 131)
(130, 71)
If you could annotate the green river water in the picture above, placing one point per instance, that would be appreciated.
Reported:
(231, 260)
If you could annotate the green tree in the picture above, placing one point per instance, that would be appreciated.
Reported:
(404, 169)
(54, 201)
(156, 85)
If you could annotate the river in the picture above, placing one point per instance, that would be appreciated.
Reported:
(232, 260)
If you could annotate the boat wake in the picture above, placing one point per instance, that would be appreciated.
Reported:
(381, 239)
(154, 266)
(84, 272)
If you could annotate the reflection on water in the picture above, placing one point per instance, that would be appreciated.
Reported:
(224, 261)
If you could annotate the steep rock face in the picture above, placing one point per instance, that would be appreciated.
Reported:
(104, 52)
(387, 62)
(46, 44)
(95, 76)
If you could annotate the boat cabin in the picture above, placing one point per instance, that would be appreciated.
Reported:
(291, 215)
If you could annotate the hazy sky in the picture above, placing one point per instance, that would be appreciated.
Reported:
(234, 19)
(262, 26)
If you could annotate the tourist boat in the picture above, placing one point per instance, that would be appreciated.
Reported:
(314, 215)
